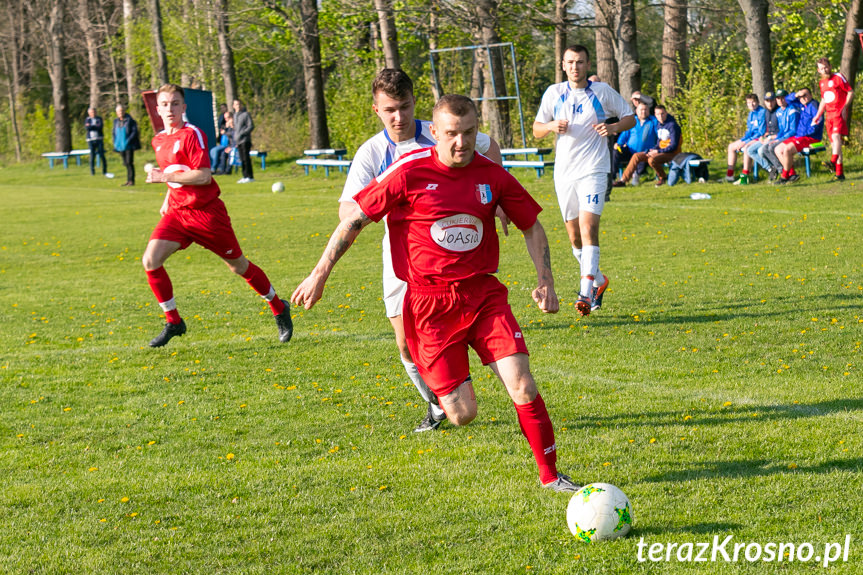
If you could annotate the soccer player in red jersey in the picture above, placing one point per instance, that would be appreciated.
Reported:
(193, 212)
(836, 94)
(440, 205)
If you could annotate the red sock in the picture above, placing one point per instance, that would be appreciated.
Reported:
(163, 289)
(839, 170)
(259, 281)
(785, 174)
(745, 172)
(729, 172)
(791, 172)
(536, 427)
(834, 158)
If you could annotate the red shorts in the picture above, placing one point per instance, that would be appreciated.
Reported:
(210, 227)
(442, 321)
(801, 143)
(835, 124)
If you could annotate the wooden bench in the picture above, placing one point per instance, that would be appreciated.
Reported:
(538, 165)
(64, 156)
(322, 157)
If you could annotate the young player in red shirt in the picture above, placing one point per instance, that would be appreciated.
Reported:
(440, 205)
(193, 212)
(836, 94)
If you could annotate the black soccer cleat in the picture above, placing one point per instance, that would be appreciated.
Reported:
(563, 484)
(171, 330)
(429, 423)
(285, 324)
(838, 178)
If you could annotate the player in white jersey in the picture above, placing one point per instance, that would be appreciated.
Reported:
(394, 102)
(577, 110)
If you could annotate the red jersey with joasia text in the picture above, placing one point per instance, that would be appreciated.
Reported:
(834, 92)
(184, 150)
(441, 219)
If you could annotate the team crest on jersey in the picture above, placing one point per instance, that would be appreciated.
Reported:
(458, 233)
(483, 193)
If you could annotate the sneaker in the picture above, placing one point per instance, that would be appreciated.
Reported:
(429, 423)
(284, 323)
(583, 305)
(772, 175)
(659, 183)
(793, 178)
(730, 179)
(243, 181)
(171, 329)
(598, 292)
(562, 484)
(618, 184)
(829, 165)
(839, 178)
(636, 179)
(782, 181)
(109, 175)
(743, 180)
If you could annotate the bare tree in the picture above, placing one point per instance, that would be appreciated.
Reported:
(494, 75)
(128, 29)
(229, 73)
(674, 54)
(758, 41)
(12, 52)
(158, 41)
(48, 16)
(90, 40)
(560, 22)
(434, 9)
(389, 34)
(851, 46)
(626, 49)
(606, 62)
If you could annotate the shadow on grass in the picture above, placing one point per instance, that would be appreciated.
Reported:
(721, 416)
(696, 529)
(745, 468)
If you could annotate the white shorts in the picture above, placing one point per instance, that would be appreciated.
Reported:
(586, 194)
(394, 288)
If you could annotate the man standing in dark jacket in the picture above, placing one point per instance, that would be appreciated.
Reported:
(243, 127)
(94, 127)
(126, 141)
(668, 133)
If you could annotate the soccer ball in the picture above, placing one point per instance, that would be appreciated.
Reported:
(148, 167)
(599, 512)
(278, 187)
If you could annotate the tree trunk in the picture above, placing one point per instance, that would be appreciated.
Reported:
(560, 7)
(433, 34)
(158, 41)
(313, 75)
(229, 73)
(495, 77)
(674, 56)
(112, 61)
(606, 63)
(627, 50)
(389, 34)
(11, 49)
(758, 41)
(56, 52)
(851, 47)
(128, 29)
(92, 50)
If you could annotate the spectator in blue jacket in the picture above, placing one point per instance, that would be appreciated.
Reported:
(667, 146)
(752, 153)
(787, 116)
(755, 128)
(639, 138)
(806, 135)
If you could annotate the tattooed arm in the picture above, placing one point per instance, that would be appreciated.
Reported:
(312, 288)
(537, 247)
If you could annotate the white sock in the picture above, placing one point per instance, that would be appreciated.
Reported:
(577, 253)
(168, 305)
(422, 388)
(589, 268)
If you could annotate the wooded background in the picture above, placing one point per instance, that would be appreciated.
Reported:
(304, 67)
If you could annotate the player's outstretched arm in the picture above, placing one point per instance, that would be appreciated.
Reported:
(197, 177)
(311, 289)
(537, 247)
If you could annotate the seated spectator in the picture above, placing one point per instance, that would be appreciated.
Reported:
(640, 138)
(681, 167)
(755, 128)
(221, 143)
(806, 135)
(223, 164)
(668, 146)
(787, 116)
(752, 153)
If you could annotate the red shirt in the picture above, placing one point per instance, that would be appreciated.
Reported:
(441, 219)
(184, 150)
(834, 92)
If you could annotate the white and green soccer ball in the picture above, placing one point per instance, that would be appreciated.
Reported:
(599, 512)
(278, 188)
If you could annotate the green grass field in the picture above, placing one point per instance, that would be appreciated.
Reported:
(719, 387)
